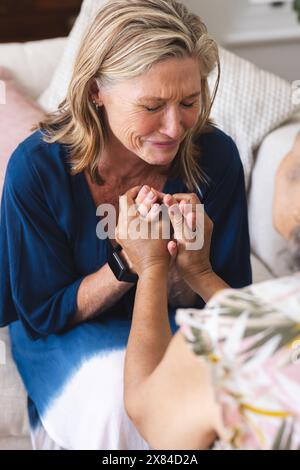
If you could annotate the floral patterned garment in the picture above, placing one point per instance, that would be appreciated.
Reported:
(251, 340)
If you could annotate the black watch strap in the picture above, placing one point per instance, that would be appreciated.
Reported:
(118, 265)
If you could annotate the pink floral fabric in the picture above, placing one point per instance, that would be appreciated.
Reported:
(251, 340)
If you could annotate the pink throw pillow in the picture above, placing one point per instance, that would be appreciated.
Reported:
(18, 114)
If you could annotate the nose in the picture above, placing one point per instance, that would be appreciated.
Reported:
(171, 125)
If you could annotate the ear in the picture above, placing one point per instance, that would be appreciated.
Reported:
(95, 93)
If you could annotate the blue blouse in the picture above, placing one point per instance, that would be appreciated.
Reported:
(48, 241)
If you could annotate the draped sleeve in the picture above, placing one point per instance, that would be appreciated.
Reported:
(39, 281)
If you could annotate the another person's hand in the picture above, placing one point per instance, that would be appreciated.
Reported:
(191, 224)
(179, 293)
(134, 230)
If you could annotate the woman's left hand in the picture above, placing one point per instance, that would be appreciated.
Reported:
(134, 231)
(191, 225)
(192, 232)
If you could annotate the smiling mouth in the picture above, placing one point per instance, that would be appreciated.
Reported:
(165, 144)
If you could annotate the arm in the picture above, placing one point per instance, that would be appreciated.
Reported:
(164, 381)
(207, 285)
(39, 271)
(161, 383)
(98, 292)
(150, 331)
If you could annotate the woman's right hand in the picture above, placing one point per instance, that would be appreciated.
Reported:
(135, 227)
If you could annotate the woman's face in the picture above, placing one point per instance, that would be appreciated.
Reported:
(286, 207)
(151, 114)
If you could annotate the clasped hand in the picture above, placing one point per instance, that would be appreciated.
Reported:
(155, 228)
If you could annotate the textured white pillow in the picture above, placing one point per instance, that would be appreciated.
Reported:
(250, 102)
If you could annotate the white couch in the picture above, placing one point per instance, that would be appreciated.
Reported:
(33, 65)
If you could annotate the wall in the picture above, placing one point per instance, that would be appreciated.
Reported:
(267, 36)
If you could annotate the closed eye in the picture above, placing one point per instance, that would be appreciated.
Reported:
(152, 109)
(189, 105)
(185, 105)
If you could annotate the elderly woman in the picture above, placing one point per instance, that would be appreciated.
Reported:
(243, 393)
(136, 114)
(286, 206)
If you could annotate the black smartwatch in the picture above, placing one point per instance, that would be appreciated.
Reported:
(118, 266)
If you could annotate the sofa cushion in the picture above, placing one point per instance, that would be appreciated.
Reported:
(18, 113)
(32, 63)
(13, 415)
(15, 443)
(250, 102)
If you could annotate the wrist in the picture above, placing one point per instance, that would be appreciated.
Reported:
(157, 270)
(207, 284)
(195, 278)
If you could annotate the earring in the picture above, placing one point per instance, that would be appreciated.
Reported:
(96, 105)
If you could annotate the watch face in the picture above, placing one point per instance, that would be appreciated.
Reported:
(119, 268)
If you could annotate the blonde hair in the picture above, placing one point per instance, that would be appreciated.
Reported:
(125, 39)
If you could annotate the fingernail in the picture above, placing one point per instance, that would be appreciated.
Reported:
(156, 207)
(150, 196)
